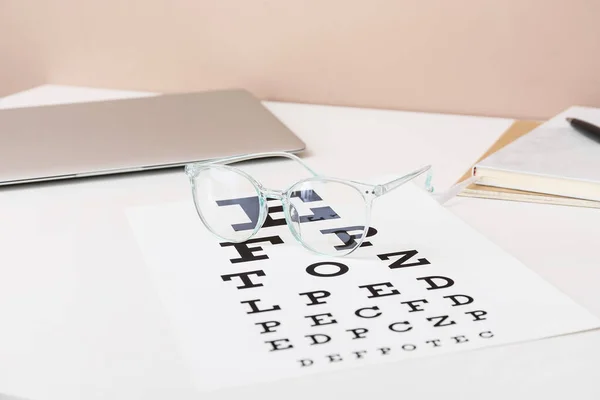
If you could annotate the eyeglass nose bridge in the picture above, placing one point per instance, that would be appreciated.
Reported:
(291, 214)
(274, 194)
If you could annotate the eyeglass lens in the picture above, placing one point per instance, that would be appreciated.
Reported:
(328, 216)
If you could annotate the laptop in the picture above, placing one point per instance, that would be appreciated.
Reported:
(117, 136)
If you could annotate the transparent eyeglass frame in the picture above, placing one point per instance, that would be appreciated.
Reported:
(369, 192)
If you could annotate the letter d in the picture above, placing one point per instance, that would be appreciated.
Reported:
(306, 362)
(437, 282)
(318, 338)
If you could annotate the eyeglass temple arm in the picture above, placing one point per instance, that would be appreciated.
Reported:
(453, 191)
(396, 183)
(440, 197)
(247, 157)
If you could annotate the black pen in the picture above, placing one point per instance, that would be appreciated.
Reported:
(585, 127)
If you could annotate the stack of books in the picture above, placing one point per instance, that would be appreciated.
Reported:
(553, 162)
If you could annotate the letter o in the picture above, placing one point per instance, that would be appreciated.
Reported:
(341, 269)
(409, 347)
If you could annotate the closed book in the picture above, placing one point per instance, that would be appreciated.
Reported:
(537, 162)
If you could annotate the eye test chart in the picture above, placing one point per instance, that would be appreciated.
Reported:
(423, 283)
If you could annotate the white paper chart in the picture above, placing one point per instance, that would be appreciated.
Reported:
(424, 284)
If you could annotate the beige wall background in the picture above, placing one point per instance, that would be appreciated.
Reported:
(517, 58)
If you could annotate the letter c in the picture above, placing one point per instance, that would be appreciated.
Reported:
(359, 312)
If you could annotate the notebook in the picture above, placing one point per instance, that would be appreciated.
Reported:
(548, 163)
(515, 131)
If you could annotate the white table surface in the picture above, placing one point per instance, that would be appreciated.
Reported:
(78, 318)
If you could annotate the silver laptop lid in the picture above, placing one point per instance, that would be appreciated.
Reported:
(104, 137)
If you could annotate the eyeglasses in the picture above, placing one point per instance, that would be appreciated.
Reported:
(327, 215)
